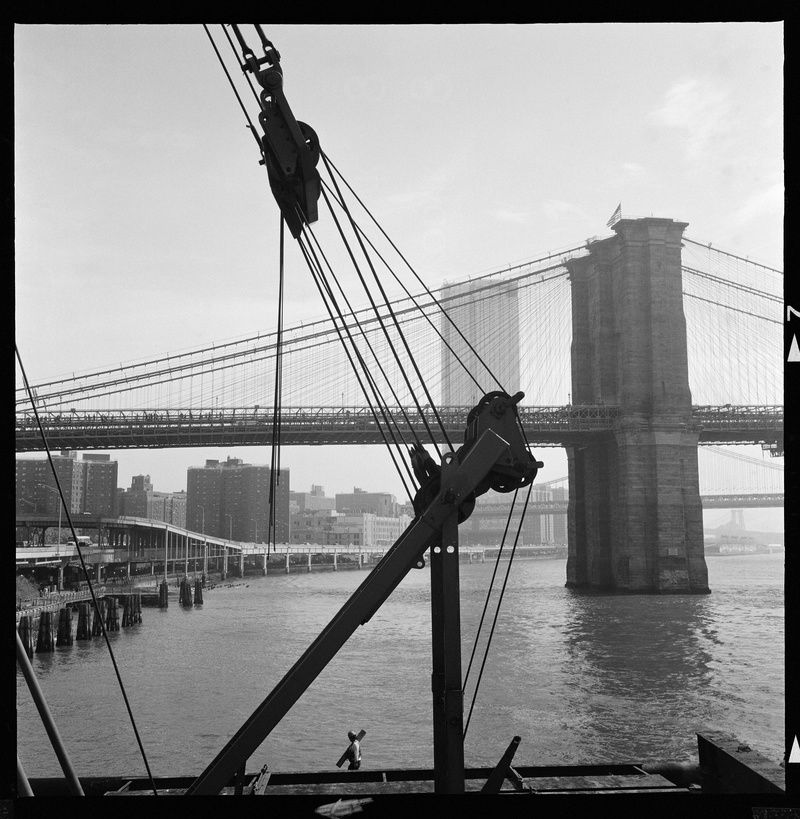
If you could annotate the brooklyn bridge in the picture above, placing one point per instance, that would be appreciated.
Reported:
(632, 351)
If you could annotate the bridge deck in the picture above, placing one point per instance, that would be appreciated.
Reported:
(303, 426)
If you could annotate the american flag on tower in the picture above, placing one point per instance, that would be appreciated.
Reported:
(616, 215)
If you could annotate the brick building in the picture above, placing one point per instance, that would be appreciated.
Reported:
(382, 504)
(231, 499)
(89, 484)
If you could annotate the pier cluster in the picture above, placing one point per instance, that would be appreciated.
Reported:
(43, 624)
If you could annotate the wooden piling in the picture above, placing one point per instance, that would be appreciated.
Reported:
(84, 631)
(137, 612)
(126, 612)
(25, 630)
(185, 594)
(163, 594)
(64, 635)
(198, 593)
(44, 639)
(112, 615)
(98, 616)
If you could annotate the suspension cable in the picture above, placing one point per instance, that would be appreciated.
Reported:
(98, 614)
(731, 307)
(214, 347)
(707, 245)
(733, 285)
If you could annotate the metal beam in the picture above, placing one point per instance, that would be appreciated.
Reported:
(448, 708)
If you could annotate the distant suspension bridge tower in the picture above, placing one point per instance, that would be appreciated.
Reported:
(634, 515)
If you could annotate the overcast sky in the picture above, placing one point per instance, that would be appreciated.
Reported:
(144, 224)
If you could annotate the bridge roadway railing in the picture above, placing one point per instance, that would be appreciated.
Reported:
(544, 426)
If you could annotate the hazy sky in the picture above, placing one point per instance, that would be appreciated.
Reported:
(144, 224)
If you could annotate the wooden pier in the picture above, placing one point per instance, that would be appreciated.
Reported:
(44, 626)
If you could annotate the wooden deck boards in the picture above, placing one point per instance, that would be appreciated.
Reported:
(540, 785)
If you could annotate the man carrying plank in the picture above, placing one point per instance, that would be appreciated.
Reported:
(353, 752)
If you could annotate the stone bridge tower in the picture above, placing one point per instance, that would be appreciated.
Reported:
(635, 516)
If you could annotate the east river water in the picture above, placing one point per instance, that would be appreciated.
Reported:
(581, 678)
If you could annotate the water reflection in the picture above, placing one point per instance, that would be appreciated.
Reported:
(641, 670)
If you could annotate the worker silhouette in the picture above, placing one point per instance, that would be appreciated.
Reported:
(353, 753)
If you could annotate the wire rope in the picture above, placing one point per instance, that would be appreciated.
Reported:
(489, 592)
(497, 611)
(95, 603)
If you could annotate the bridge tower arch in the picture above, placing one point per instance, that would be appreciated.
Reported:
(635, 516)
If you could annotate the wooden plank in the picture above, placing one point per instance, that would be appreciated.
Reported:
(655, 792)
(261, 781)
(543, 784)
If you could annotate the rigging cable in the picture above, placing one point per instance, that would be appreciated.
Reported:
(98, 614)
(328, 161)
(489, 591)
(394, 317)
(388, 416)
(247, 52)
(314, 275)
(328, 165)
(497, 610)
(236, 93)
(243, 67)
(386, 332)
(414, 301)
(360, 326)
(275, 454)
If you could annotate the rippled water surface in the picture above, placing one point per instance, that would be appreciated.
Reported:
(580, 678)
